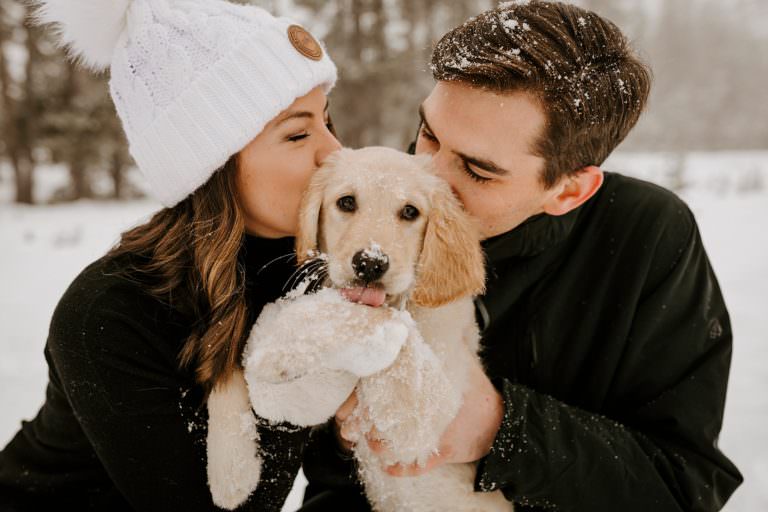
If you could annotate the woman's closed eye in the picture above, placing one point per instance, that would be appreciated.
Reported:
(299, 136)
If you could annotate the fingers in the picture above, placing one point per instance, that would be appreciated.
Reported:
(414, 469)
(346, 409)
(375, 442)
(350, 431)
(344, 443)
(347, 427)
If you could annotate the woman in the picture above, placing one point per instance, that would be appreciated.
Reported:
(226, 115)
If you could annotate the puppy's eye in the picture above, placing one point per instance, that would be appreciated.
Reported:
(347, 204)
(409, 212)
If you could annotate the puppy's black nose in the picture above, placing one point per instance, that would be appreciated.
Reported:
(369, 266)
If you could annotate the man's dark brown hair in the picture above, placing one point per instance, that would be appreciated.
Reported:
(579, 66)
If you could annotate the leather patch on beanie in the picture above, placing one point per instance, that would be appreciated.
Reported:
(304, 43)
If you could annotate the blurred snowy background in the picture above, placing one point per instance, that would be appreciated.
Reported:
(68, 188)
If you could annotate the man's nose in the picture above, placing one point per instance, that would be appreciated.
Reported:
(368, 266)
(442, 164)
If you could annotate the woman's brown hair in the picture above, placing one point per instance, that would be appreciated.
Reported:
(187, 256)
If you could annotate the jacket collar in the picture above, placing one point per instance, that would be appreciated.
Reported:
(530, 238)
(269, 255)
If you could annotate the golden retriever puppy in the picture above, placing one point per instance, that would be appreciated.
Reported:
(379, 227)
(382, 220)
(391, 232)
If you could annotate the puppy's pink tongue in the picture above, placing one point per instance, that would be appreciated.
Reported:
(368, 296)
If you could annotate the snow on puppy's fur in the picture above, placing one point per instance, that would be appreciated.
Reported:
(392, 235)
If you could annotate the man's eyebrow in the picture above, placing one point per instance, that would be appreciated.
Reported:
(297, 114)
(486, 165)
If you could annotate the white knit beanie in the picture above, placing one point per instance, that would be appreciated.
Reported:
(193, 81)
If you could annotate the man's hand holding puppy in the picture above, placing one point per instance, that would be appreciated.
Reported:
(469, 436)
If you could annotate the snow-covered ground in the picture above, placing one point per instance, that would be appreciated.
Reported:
(44, 247)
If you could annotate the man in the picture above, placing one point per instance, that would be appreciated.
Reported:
(606, 341)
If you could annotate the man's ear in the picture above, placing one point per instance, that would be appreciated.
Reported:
(572, 191)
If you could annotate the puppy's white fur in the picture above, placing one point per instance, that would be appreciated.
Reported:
(305, 357)
(234, 464)
(415, 414)
(307, 354)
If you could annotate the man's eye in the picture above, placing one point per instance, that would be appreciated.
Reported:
(298, 137)
(473, 175)
(424, 133)
(347, 204)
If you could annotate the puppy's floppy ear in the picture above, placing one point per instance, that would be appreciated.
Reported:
(309, 219)
(451, 264)
(307, 240)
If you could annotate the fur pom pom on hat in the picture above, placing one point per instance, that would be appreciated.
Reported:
(193, 81)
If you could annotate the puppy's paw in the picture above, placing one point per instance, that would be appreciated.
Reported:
(306, 401)
(234, 465)
(374, 350)
(274, 366)
(412, 402)
(280, 347)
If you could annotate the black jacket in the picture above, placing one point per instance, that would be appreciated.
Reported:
(606, 332)
(121, 427)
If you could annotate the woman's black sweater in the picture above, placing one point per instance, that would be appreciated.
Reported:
(122, 427)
